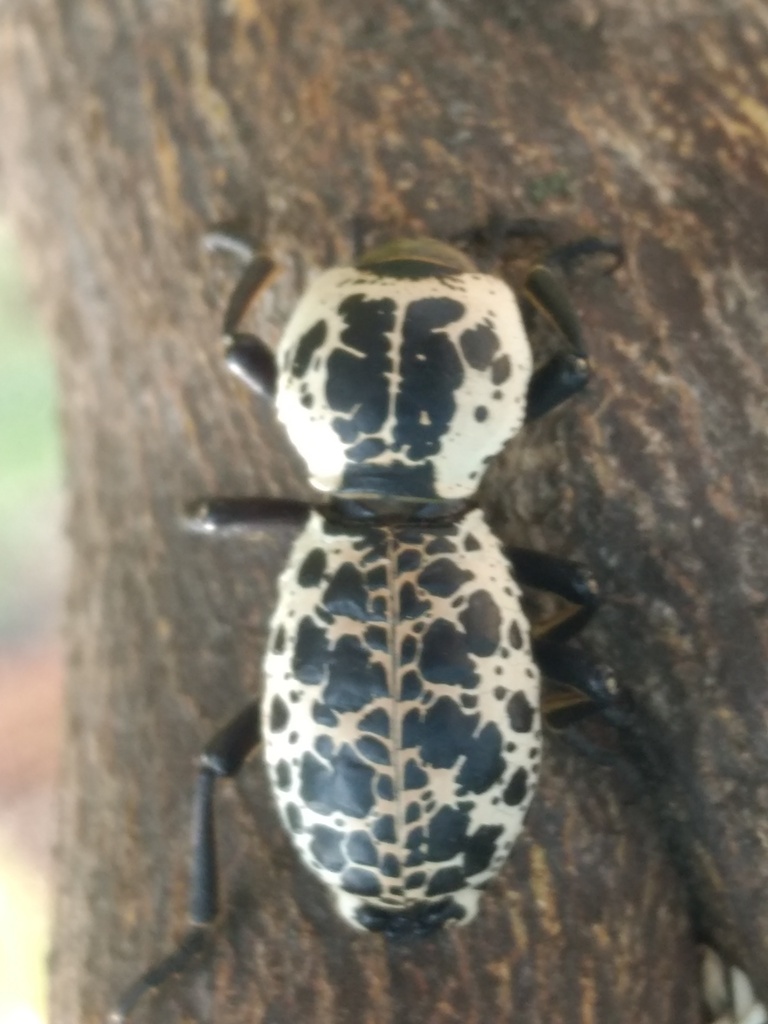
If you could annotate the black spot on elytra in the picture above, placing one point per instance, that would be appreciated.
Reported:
(376, 721)
(444, 656)
(447, 833)
(411, 536)
(471, 543)
(312, 568)
(367, 449)
(323, 715)
(354, 679)
(345, 786)
(306, 347)
(482, 623)
(389, 866)
(515, 636)
(480, 848)
(442, 734)
(408, 649)
(324, 746)
(357, 381)
(412, 813)
(360, 849)
(520, 712)
(484, 764)
(500, 370)
(293, 816)
(414, 776)
(416, 880)
(431, 374)
(278, 644)
(310, 653)
(443, 577)
(408, 560)
(411, 605)
(373, 750)
(385, 788)
(376, 578)
(479, 346)
(377, 638)
(440, 546)
(414, 838)
(278, 714)
(411, 686)
(326, 847)
(384, 829)
(283, 775)
(346, 593)
(360, 882)
(446, 880)
(517, 788)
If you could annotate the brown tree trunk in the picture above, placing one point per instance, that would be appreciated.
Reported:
(130, 128)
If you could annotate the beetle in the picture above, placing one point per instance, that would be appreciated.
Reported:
(401, 713)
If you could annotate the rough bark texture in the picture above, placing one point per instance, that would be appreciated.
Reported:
(130, 128)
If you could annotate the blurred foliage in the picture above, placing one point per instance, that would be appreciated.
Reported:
(29, 454)
(30, 573)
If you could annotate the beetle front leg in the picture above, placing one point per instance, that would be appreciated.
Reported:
(249, 358)
(222, 758)
(568, 370)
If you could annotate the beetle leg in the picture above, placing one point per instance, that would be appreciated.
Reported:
(221, 515)
(222, 758)
(247, 356)
(544, 292)
(488, 243)
(581, 686)
(567, 371)
(566, 256)
(570, 580)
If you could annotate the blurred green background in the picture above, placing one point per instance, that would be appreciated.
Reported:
(31, 571)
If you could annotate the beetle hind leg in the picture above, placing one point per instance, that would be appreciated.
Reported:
(222, 758)
(581, 686)
(563, 577)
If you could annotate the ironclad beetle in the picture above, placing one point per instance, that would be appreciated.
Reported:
(401, 712)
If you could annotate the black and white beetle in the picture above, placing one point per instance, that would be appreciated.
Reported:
(401, 702)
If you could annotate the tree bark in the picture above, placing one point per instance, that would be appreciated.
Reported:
(131, 128)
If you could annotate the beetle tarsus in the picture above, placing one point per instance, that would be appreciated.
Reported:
(176, 963)
(566, 257)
